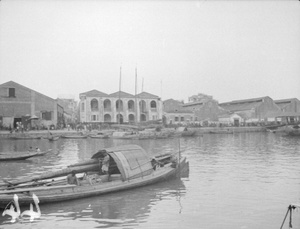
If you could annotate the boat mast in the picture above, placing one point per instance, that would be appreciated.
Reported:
(136, 105)
(119, 102)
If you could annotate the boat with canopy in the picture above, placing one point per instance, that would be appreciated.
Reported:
(130, 166)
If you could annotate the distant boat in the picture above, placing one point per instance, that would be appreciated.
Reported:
(24, 137)
(10, 156)
(74, 136)
(293, 130)
(221, 131)
(99, 135)
(54, 138)
(184, 132)
(130, 166)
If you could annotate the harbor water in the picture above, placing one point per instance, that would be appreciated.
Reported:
(236, 181)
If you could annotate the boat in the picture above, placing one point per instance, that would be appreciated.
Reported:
(185, 132)
(74, 136)
(130, 167)
(221, 131)
(11, 156)
(99, 135)
(292, 130)
(24, 137)
(53, 138)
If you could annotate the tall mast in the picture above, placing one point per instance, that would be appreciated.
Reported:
(136, 105)
(119, 102)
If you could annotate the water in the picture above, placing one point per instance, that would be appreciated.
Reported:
(243, 181)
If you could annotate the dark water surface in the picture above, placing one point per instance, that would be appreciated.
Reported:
(243, 181)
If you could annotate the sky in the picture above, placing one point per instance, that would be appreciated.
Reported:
(230, 50)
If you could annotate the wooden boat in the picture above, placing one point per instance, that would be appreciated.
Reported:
(74, 136)
(185, 132)
(221, 131)
(9, 156)
(54, 138)
(24, 137)
(293, 130)
(99, 135)
(124, 135)
(130, 167)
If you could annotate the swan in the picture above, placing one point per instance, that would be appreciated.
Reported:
(32, 213)
(11, 211)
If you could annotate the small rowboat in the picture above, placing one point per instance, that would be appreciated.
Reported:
(9, 156)
(54, 138)
(99, 135)
(130, 167)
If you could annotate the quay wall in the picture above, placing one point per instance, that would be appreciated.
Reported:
(199, 131)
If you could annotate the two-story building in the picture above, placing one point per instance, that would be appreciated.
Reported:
(22, 104)
(119, 107)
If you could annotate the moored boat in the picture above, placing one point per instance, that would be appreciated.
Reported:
(9, 156)
(74, 136)
(130, 167)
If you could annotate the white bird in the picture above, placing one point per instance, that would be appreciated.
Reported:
(11, 211)
(32, 213)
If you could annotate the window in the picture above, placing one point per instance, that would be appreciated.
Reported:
(182, 119)
(94, 105)
(82, 107)
(176, 119)
(46, 115)
(12, 92)
(94, 117)
(153, 104)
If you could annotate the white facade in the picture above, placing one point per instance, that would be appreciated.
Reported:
(97, 107)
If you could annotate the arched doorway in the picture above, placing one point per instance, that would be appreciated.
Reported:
(131, 118)
(143, 118)
(119, 118)
(107, 118)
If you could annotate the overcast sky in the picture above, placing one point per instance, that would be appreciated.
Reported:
(228, 49)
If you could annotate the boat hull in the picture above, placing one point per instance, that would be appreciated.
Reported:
(51, 194)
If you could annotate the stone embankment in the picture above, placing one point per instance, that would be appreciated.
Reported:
(199, 131)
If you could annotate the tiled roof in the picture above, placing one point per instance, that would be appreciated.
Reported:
(121, 94)
(146, 95)
(94, 93)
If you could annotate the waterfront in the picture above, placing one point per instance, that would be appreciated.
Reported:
(244, 180)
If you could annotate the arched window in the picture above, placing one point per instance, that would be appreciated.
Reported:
(130, 105)
(94, 105)
(143, 107)
(107, 105)
(119, 105)
(131, 118)
(153, 104)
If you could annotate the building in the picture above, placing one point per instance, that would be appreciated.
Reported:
(70, 111)
(119, 107)
(175, 113)
(33, 109)
(290, 110)
(230, 119)
(252, 110)
(204, 107)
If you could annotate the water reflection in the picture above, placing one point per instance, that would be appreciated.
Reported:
(241, 180)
